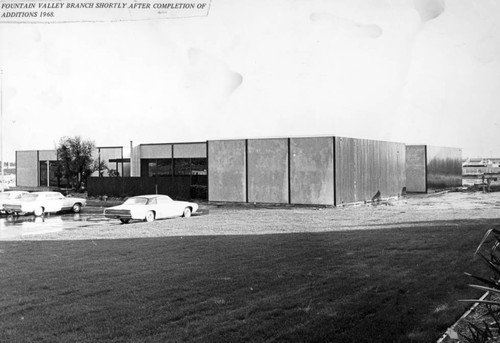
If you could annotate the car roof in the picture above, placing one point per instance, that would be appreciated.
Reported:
(46, 192)
(149, 196)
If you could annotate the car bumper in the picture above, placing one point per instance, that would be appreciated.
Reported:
(22, 210)
(118, 216)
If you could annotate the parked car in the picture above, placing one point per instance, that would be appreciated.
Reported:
(40, 202)
(8, 196)
(149, 208)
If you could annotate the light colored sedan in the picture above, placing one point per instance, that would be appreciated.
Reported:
(40, 202)
(8, 196)
(149, 208)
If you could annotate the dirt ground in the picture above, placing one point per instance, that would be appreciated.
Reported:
(409, 211)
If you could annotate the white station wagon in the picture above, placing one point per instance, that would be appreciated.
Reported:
(8, 196)
(40, 202)
(149, 208)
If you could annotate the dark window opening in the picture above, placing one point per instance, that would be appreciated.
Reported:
(182, 166)
(156, 167)
(195, 167)
(199, 166)
(51, 176)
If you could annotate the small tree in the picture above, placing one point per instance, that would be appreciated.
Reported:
(113, 173)
(101, 167)
(76, 160)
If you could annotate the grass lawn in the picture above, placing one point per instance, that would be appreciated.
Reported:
(394, 285)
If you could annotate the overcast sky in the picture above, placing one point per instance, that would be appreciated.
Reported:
(412, 71)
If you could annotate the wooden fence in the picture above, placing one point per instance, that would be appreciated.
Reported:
(177, 187)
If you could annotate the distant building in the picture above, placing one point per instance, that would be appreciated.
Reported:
(9, 175)
(480, 166)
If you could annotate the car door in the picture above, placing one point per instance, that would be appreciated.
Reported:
(66, 203)
(166, 207)
(53, 202)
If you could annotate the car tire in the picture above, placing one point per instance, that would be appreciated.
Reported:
(38, 212)
(150, 216)
(76, 208)
(124, 221)
(187, 212)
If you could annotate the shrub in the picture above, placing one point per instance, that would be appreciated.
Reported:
(488, 329)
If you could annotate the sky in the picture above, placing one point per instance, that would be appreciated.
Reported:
(411, 71)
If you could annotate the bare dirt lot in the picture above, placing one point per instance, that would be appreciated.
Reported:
(410, 211)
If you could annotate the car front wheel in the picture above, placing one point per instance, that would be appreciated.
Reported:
(76, 208)
(150, 216)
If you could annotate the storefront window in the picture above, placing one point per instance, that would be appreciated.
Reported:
(182, 166)
(53, 178)
(156, 167)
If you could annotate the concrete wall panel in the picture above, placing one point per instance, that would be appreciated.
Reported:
(227, 171)
(47, 155)
(135, 161)
(27, 168)
(444, 167)
(416, 169)
(191, 150)
(368, 170)
(156, 151)
(311, 171)
(268, 170)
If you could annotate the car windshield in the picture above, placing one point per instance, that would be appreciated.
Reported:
(136, 201)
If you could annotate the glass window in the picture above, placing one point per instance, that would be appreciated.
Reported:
(199, 166)
(53, 196)
(164, 200)
(30, 196)
(136, 201)
(164, 167)
(156, 167)
(182, 166)
(190, 166)
(54, 174)
(152, 169)
(43, 173)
